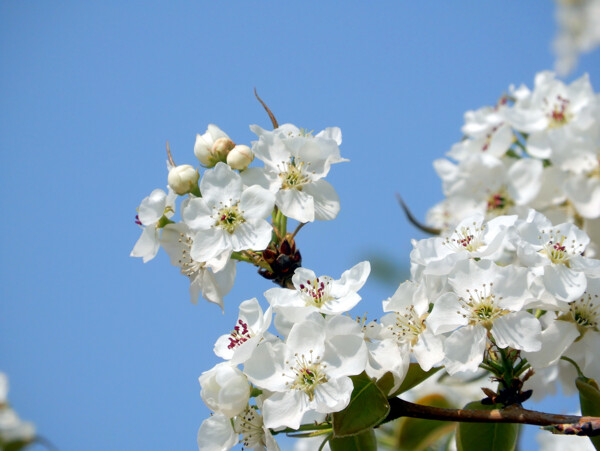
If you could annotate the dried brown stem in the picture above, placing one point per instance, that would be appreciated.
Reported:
(414, 221)
(271, 115)
(169, 156)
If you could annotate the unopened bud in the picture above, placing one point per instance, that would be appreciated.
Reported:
(183, 179)
(213, 146)
(240, 157)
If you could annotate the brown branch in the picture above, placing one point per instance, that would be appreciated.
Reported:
(511, 414)
(414, 221)
(271, 115)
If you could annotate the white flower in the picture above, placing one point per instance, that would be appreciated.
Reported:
(246, 335)
(555, 254)
(150, 212)
(254, 433)
(225, 389)
(227, 217)
(12, 428)
(407, 324)
(485, 298)
(214, 279)
(310, 371)
(216, 434)
(295, 164)
(322, 294)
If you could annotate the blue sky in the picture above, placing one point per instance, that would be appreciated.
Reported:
(103, 351)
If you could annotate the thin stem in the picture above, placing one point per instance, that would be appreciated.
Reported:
(302, 224)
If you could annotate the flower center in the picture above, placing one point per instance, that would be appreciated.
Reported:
(229, 218)
(466, 238)
(316, 292)
(559, 115)
(499, 202)
(481, 307)
(408, 326)
(559, 251)
(293, 175)
(250, 424)
(240, 334)
(585, 312)
(309, 374)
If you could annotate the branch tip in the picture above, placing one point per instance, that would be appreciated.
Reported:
(269, 112)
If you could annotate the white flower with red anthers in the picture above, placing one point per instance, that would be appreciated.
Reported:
(486, 299)
(321, 294)
(309, 372)
(555, 254)
(472, 238)
(552, 111)
(227, 217)
(214, 279)
(152, 210)
(250, 327)
(295, 164)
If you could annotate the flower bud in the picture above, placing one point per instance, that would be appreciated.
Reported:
(213, 146)
(240, 157)
(225, 389)
(183, 179)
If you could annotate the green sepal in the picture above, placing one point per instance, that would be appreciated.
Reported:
(367, 408)
(365, 441)
(589, 398)
(414, 377)
(488, 436)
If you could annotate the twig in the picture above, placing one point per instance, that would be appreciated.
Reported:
(271, 115)
(414, 221)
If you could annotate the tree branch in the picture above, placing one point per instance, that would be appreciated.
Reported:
(589, 426)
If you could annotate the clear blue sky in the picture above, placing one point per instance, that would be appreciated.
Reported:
(103, 352)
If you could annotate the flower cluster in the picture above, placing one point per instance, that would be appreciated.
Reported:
(224, 213)
(536, 149)
(14, 432)
(298, 377)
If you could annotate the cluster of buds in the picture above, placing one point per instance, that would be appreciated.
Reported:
(215, 146)
(283, 259)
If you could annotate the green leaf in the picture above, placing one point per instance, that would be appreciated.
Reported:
(365, 441)
(589, 398)
(414, 377)
(367, 408)
(386, 383)
(488, 436)
(417, 434)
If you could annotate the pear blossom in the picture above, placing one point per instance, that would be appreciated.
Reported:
(555, 254)
(486, 298)
(322, 294)
(254, 434)
(308, 372)
(152, 210)
(408, 327)
(295, 164)
(183, 179)
(12, 429)
(227, 217)
(247, 333)
(213, 279)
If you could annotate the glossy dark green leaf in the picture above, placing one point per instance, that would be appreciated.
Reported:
(386, 383)
(365, 441)
(486, 436)
(589, 398)
(414, 377)
(417, 434)
(367, 408)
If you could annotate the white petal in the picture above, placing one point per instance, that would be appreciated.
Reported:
(429, 350)
(296, 205)
(221, 185)
(216, 434)
(464, 349)
(285, 409)
(564, 283)
(556, 338)
(209, 244)
(147, 244)
(333, 395)
(256, 203)
(447, 315)
(326, 201)
(519, 330)
(253, 234)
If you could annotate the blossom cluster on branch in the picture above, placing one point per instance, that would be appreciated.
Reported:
(509, 285)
